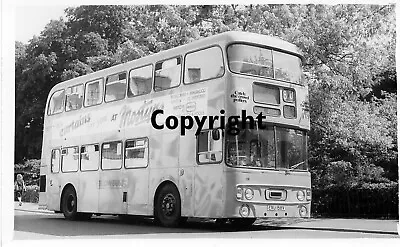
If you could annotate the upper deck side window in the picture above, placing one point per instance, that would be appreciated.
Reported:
(56, 103)
(203, 65)
(167, 74)
(74, 97)
(264, 62)
(140, 81)
(115, 87)
(94, 92)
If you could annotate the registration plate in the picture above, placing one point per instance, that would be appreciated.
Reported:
(275, 208)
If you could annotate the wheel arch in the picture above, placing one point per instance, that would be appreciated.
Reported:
(159, 187)
(66, 186)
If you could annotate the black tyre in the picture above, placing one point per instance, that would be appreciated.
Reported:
(84, 216)
(242, 222)
(69, 204)
(167, 208)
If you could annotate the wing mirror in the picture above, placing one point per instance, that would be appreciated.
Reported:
(216, 135)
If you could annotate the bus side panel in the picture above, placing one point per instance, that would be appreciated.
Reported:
(45, 171)
(137, 191)
(208, 178)
(88, 191)
(65, 179)
(163, 160)
(53, 192)
(89, 179)
(54, 185)
(187, 161)
(208, 190)
(110, 192)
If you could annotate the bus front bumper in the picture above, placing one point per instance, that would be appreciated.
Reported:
(258, 210)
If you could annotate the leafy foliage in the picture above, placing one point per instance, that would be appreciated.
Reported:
(30, 195)
(30, 170)
(350, 66)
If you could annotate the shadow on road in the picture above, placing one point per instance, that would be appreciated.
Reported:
(112, 225)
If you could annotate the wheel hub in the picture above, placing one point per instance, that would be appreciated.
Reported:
(70, 203)
(168, 204)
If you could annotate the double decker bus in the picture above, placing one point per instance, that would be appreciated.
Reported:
(102, 155)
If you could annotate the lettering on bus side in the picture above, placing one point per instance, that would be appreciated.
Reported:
(113, 183)
(75, 124)
(135, 117)
(239, 97)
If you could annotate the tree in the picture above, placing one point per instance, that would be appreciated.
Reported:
(349, 65)
(107, 21)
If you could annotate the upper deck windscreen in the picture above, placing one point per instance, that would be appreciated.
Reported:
(263, 62)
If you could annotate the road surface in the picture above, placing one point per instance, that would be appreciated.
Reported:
(41, 225)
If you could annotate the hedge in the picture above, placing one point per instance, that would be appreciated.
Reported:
(367, 200)
(30, 195)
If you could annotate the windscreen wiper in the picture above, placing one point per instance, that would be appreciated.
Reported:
(296, 165)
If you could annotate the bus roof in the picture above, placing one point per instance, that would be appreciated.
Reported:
(222, 38)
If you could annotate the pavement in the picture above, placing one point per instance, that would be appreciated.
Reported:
(31, 207)
(342, 225)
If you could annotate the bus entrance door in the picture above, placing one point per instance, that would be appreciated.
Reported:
(208, 174)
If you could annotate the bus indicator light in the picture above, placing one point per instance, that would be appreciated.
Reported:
(239, 193)
(308, 195)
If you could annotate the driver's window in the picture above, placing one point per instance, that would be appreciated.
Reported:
(209, 146)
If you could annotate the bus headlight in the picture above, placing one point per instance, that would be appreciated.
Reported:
(244, 210)
(303, 211)
(239, 193)
(300, 195)
(308, 195)
(249, 194)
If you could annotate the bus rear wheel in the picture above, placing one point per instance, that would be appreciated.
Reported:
(167, 210)
(242, 222)
(69, 204)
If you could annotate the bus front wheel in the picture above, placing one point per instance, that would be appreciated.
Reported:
(168, 206)
(69, 204)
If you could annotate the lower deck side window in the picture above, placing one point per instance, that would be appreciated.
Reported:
(69, 159)
(90, 157)
(111, 155)
(136, 153)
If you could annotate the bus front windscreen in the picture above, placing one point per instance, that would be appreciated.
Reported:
(264, 62)
(270, 148)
